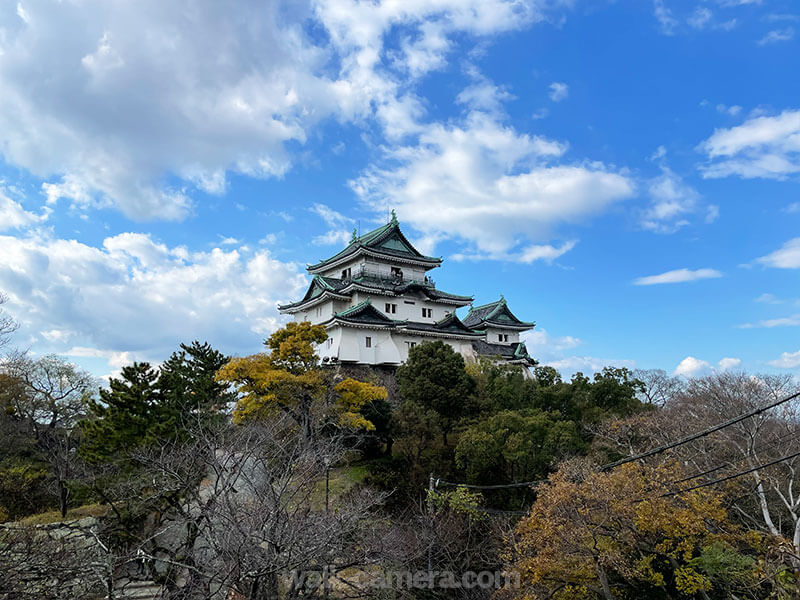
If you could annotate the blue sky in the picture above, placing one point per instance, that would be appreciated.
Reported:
(624, 172)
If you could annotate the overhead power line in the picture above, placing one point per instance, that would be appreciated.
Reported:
(698, 435)
(489, 487)
(729, 477)
(770, 444)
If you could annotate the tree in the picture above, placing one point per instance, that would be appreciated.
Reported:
(50, 402)
(233, 511)
(615, 535)
(128, 414)
(513, 446)
(658, 388)
(188, 385)
(289, 380)
(7, 324)
(435, 378)
(767, 498)
(146, 405)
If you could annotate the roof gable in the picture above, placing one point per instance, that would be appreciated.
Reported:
(319, 285)
(452, 323)
(364, 312)
(387, 240)
(494, 313)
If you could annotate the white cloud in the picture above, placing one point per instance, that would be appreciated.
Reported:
(700, 17)
(133, 294)
(763, 146)
(767, 298)
(712, 213)
(554, 351)
(527, 254)
(692, 367)
(339, 224)
(794, 207)
(106, 100)
(558, 91)
(588, 364)
(695, 367)
(731, 111)
(489, 185)
(13, 216)
(793, 321)
(777, 35)
(727, 363)
(787, 360)
(672, 201)
(678, 276)
(483, 94)
(663, 15)
(785, 257)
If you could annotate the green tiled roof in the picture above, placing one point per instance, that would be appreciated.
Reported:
(387, 240)
(450, 324)
(319, 285)
(511, 352)
(402, 287)
(364, 312)
(494, 313)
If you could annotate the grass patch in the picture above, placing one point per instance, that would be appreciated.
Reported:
(54, 516)
(341, 480)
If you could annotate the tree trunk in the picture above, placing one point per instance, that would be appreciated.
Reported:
(762, 500)
(601, 574)
(63, 497)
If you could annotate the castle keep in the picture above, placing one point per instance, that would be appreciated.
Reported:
(377, 302)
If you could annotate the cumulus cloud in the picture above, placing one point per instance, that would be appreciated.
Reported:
(787, 360)
(138, 106)
(490, 185)
(727, 363)
(13, 216)
(692, 367)
(678, 276)
(785, 257)
(133, 294)
(762, 146)
(695, 367)
(555, 351)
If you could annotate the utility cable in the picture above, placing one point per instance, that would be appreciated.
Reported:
(729, 477)
(698, 435)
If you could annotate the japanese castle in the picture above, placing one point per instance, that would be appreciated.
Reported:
(377, 302)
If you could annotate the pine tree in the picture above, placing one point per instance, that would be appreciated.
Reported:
(128, 413)
(188, 385)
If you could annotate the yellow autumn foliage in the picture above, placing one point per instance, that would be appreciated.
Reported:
(289, 380)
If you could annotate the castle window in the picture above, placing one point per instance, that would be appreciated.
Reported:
(346, 273)
(368, 342)
(397, 273)
(427, 313)
(410, 345)
(502, 337)
(391, 308)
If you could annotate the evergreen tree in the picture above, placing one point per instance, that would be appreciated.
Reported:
(188, 385)
(129, 413)
(435, 378)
